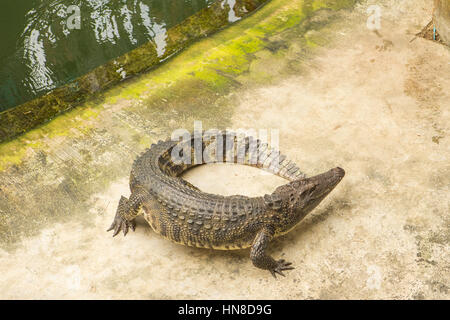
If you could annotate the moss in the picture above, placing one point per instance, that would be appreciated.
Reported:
(68, 124)
(12, 156)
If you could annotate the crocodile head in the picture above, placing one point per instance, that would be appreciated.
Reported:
(300, 197)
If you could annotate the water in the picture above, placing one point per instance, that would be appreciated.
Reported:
(47, 43)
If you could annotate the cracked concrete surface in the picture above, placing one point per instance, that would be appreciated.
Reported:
(376, 104)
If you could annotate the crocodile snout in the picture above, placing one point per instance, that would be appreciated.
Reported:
(339, 172)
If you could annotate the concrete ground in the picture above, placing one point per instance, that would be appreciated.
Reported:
(374, 103)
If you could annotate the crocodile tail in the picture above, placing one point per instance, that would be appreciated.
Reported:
(250, 151)
(231, 147)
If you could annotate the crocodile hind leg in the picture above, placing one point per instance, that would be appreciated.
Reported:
(262, 260)
(127, 211)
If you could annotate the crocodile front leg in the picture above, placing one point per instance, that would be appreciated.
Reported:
(127, 211)
(262, 260)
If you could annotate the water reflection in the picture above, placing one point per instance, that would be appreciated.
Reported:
(52, 44)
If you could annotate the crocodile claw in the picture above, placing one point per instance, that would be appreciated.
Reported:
(281, 265)
(120, 223)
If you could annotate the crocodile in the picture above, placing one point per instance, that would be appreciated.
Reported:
(184, 214)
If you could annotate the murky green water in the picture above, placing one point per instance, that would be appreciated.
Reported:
(47, 43)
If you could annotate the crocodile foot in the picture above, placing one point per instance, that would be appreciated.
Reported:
(280, 266)
(121, 223)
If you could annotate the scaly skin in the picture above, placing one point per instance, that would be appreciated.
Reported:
(183, 214)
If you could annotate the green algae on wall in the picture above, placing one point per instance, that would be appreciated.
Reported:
(30, 114)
